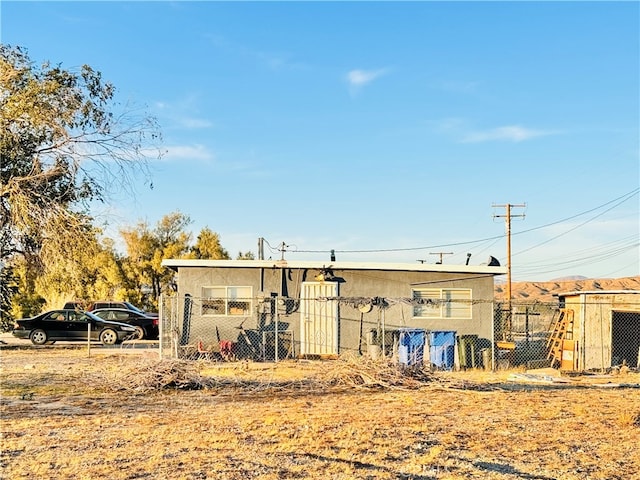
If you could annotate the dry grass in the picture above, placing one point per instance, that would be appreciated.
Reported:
(66, 416)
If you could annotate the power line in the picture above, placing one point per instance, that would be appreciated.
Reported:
(625, 197)
(577, 226)
(621, 199)
(583, 257)
(590, 255)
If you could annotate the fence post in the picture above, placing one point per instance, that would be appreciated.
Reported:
(89, 337)
(160, 324)
(173, 331)
(384, 334)
(277, 320)
(493, 335)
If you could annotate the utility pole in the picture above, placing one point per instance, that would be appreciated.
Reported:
(508, 216)
(441, 254)
(260, 248)
(283, 248)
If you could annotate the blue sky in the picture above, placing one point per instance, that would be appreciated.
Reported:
(386, 131)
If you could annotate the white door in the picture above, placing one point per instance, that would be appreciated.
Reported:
(318, 319)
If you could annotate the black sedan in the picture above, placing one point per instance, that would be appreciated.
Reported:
(147, 325)
(72, 325)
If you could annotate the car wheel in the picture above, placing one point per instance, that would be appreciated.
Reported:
(38, 337)
(140, 334)
(108, 337)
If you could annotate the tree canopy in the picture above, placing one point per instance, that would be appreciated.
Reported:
(60, 143)
(208, 246)
(63, 138)
(147, 247)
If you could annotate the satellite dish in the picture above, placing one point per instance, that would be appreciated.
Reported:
(493, 262)
(365, 307)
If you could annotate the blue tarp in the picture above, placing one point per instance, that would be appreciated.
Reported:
(411, 346)
(442, 349)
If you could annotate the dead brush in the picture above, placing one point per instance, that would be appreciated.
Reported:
(386, 374)
(151, 375)
(360, 373)
(168, 374)
(367, 373)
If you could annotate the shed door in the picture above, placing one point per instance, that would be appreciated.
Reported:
(318, 319)
(625, 338)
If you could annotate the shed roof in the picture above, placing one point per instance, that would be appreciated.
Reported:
(597, 292)
(403, 267)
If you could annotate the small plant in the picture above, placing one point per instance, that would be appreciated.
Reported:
(628, 419)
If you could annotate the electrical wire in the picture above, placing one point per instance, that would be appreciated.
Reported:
(581, 258)
(589, 256)
(606, 255)
(621, 199)
(576, 227)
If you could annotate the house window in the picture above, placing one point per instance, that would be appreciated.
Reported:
(228, 301)
(442, 303)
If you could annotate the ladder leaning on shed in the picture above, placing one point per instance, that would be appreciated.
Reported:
(561, 340)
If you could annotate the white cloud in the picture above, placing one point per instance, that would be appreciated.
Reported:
(510, 133)
(188, 152)
(359, 78)
(461, 129)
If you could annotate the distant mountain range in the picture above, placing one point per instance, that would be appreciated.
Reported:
(545, 291)
(569, 278)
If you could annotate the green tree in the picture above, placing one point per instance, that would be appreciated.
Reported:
(15, 281)
(63, 141)
(208, 246)
(246, 256)
(92, 270)
(27, 302)
(146, 248)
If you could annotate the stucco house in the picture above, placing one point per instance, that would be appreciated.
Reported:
(328, 309)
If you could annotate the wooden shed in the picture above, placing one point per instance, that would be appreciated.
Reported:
(604, 330)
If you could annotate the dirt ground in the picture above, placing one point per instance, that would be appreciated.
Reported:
(66, 415)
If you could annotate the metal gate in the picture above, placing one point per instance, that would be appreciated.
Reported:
(319, 318)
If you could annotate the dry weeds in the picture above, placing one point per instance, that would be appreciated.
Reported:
(66, 416)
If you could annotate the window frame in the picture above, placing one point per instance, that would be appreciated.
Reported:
(230, 301)
(446, 307)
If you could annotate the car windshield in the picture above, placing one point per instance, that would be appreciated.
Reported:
(88, 316)
(133, 307)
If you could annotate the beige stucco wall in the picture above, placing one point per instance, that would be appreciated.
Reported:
(392, 285)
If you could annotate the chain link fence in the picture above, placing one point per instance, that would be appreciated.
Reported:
(597, 337)
(225, 329)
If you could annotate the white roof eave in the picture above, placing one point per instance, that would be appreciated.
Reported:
(273, 264)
